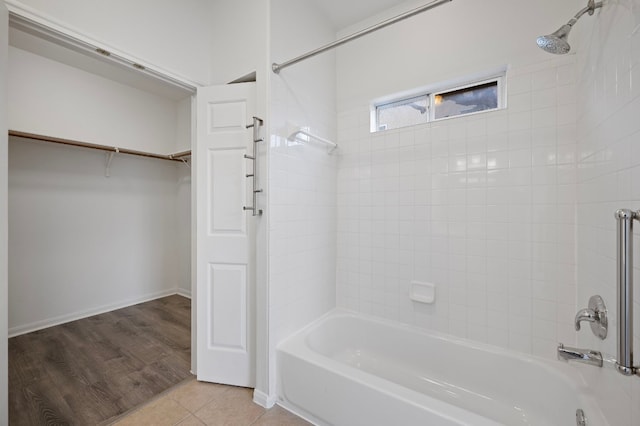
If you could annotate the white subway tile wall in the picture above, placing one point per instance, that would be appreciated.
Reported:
(482, 206)
(608, 159)
(302, 178)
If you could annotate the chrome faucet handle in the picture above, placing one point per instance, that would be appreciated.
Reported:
(585, 314)
(596, 314)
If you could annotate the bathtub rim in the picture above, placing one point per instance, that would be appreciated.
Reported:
(297, 346)
(566, 370)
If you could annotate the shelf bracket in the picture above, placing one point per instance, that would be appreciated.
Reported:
(107, 168)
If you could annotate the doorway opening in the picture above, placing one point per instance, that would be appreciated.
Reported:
(100, 271)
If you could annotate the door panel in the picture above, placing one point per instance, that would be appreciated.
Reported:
(225, 237)
(227, 181)
(227, 284)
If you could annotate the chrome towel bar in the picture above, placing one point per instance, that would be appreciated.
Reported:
(624, 255)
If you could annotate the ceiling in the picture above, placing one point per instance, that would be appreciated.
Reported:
(343, 13)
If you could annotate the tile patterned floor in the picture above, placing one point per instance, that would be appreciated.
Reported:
(196, 403)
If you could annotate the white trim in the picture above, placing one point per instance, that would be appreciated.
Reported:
(72, 38)
(193, 234)
(4, 222)
(62, 319)
(263, 400)
(183, 292)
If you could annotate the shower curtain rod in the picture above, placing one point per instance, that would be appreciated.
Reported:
(277, 67)
(179, 156)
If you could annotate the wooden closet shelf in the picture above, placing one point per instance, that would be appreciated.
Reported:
(178, 156)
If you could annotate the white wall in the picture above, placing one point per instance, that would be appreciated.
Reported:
(165, 34)
(482, 206)
(53, 99)
(608, 179)
(102, 242)
(79, 242)
(182, 225)
(4, 376)
(183, 199)
(456, 39)
(302, 197)
(183, 125)
(238, 39)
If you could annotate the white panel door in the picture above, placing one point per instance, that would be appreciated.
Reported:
(225, 239)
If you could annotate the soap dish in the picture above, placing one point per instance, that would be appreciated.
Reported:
(422, 292)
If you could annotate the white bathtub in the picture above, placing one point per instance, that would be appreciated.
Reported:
(348, 369)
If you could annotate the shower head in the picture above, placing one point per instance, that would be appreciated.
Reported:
(558, 41)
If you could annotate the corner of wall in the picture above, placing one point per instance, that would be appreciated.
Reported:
(302, 177)
(608, 158)
(263, 399)
(4, 310)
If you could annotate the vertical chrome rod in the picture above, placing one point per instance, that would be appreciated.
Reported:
(624, 218)
(257, 123)
(256, 138)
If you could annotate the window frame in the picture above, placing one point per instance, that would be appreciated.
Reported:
(403, 102)
(443, 88)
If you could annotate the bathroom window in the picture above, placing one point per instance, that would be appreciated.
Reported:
(439, 102)
(402, 113)
(481, 97)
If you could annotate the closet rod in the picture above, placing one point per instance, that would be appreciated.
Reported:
(171, 157)
(181, 154)
(277, 67)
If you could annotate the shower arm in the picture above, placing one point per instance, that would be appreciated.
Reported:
(590, 9)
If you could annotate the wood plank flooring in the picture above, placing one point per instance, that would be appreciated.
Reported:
(94, 369)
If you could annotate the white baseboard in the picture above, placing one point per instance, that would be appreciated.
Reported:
(50, 322)
(262, 399)
(184, 293)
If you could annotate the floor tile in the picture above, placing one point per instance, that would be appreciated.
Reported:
(191, 421)
(194, 395)
(163, 412)
(278, 416)
(234, 407)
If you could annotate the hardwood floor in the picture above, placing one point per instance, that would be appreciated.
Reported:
(94, 369)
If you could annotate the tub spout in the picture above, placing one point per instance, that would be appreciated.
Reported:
(585, 356)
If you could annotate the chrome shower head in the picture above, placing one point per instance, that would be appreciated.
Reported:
(558, 42)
